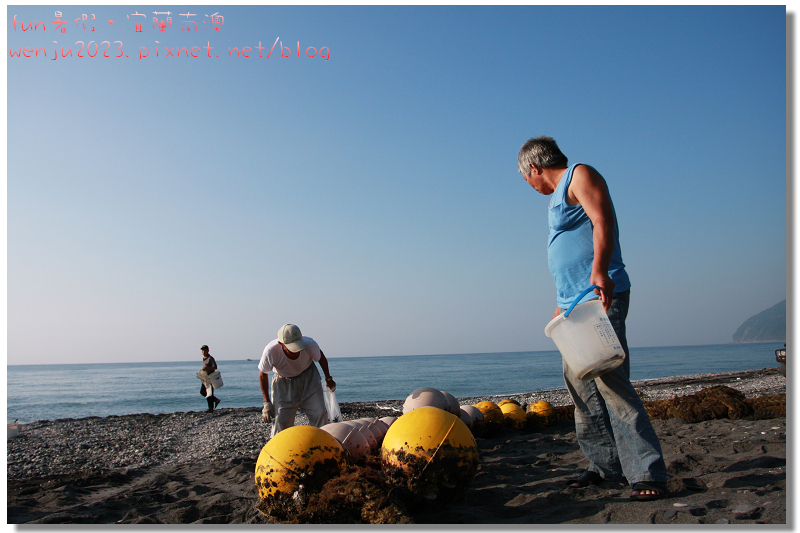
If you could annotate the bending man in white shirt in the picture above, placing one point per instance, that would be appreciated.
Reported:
(295, 382)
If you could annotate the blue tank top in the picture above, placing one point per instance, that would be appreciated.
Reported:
(570, 247)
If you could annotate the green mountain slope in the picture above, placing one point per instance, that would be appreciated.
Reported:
(766, 326)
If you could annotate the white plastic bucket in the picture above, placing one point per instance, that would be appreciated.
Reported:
(586, 339)
(13, 429)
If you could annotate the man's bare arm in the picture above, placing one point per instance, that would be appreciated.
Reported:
(588, 188)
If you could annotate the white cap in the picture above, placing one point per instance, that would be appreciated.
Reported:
(290, 336)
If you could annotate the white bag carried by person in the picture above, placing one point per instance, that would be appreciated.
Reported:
(331, 405)
(216, 379)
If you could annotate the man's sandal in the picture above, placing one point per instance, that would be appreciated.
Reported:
(589, 477)
(660, 490)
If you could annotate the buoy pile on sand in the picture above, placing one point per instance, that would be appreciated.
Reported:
(429, 453)
(509, 413)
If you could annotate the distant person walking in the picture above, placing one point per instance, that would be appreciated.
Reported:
(295, 381)
(612, 426)
(207, 388)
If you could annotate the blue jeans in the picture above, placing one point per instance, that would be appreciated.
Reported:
(613, 429)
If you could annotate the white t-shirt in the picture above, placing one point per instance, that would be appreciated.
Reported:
(273, 358)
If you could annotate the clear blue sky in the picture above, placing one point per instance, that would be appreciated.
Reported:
(158, 204)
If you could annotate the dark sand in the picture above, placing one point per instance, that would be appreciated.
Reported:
(721, 471)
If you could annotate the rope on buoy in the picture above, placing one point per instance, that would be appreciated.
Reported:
(439, 447)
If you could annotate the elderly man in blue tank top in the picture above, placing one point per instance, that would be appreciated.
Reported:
(612, 426)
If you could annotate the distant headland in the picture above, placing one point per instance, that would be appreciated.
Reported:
(766, 326)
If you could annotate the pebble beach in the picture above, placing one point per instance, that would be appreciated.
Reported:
(197, 467)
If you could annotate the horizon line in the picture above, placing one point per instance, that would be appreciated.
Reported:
(404, 355)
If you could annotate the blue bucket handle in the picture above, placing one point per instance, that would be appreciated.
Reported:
(578, 299)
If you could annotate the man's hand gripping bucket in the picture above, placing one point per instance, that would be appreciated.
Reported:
(586, 338)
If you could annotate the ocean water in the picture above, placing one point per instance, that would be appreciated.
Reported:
(49, 392)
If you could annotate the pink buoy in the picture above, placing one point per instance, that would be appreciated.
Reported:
(454, 406)
(426, 397)
(350, 438)
(478, 424)
(380, 424)
(364, 429)
(466, 418)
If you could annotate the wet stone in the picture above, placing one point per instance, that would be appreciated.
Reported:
(746, 511)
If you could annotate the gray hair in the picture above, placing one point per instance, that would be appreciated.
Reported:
(540, 151)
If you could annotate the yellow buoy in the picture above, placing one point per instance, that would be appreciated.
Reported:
(542, 413)
(298, 455)
(430, 452)
(492, 416)
(514, 416)
(501, 403)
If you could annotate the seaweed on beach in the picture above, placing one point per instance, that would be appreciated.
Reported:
(424, 483)
(767, 407)
(565, 412)
(717, 402)
(708, 404)
(712, 403)
(359, 495)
